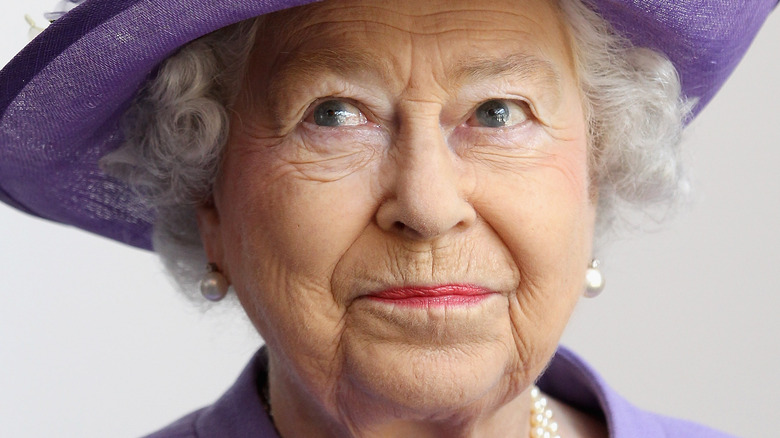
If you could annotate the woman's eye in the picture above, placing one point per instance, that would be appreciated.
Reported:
(334, 113)
(499, 113)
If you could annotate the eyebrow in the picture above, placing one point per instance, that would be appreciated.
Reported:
(348, 62)
(518, 65)
(344, 62)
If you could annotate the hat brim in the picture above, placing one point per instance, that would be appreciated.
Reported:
(63, 96)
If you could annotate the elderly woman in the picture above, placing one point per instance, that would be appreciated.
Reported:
(403, 196)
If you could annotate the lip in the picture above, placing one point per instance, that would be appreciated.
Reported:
(431, 296)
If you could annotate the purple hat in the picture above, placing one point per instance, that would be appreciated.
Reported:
(62, 97)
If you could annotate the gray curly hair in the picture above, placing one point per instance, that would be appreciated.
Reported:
(178, 126)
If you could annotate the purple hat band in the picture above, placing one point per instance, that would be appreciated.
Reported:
(62, 97)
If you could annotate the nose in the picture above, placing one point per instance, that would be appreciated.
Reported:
(426, 196)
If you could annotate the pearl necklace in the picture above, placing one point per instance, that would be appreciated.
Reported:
(542, 424)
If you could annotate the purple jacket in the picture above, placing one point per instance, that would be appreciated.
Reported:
(239, 412)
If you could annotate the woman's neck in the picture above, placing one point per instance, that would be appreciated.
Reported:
(297, 414)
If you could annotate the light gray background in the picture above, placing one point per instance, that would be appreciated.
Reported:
(94, 342)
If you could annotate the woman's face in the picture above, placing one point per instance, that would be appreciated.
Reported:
(404, 206)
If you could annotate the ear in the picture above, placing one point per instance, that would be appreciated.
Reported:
(211, 234)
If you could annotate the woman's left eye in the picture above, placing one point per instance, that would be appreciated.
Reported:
(334, 113)
(499, 113)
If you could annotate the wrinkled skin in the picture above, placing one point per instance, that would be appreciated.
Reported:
(409, 188)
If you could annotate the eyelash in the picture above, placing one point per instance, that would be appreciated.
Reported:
(502, 105)
(308, 115)
(525, 107)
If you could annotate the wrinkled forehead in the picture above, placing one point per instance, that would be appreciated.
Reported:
(468, 38)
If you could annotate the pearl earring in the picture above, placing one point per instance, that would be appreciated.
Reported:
(594, 280)
(213, 285)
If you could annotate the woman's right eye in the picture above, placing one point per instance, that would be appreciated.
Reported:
(335, 113)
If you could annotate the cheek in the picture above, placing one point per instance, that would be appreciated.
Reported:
(283, 235)
(544, 215)
(541, 206)
(279, 211)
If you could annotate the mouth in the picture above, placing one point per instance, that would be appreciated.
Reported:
(433, 296)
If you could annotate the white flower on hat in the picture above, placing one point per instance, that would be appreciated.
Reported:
(62, 8)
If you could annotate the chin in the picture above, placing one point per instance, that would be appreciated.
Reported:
(433, 381)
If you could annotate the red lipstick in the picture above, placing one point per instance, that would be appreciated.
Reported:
(429, 296)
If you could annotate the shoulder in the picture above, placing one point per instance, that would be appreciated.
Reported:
(573, 382)
(673, 427)
(238, 413)
(181, 428)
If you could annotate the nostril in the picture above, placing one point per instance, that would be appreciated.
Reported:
(419, 217)
(412, 232)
